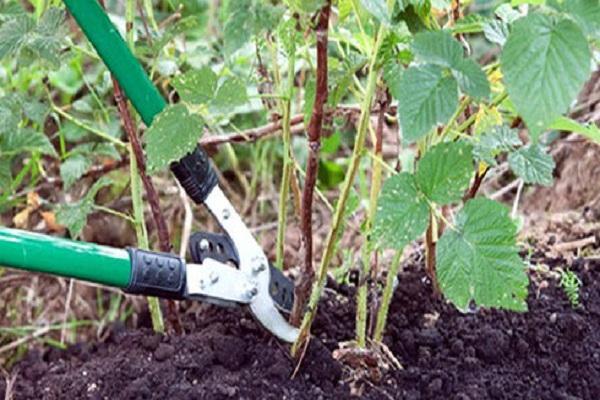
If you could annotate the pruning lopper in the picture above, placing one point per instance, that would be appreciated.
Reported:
(227, 269)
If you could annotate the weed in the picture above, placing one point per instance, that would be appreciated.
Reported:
(571, 285)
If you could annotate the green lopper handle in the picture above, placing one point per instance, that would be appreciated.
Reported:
(68, 258)
(133, 270)
(118, 58)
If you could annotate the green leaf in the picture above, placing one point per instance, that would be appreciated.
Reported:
(532, 164)
(444, 172)
(496, 31)
(471, 79)
(310, 93)
(36, 111)
(289, 36)
(10, 112)
(237, 29)
(586, 13)
(472, 23)
(402, 212)
(8, 10)
(74, 216)
(25, 140)
(478, 260)
(14, 34)
(507, 14)
(230, 94)
(173, 134)
(306, 6)
(197, 86)
(378, 9)
(5, 173)
(47, 38)
(497, 140)
(344, 9)
(590, 131)
(73, 168)
(43, 39)
(545, 62)
(533, 2)
(428, 98)
(330, 174)
(100, 149)
(392, 74)
(440, 48)
(331, 144)
(181, 26)
(246, 19)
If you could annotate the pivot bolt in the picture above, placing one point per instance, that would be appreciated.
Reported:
(259, 267)
(226, 213)
(251, 292)
(204, 245)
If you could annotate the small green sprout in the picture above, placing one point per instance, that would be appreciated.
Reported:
(571, 284)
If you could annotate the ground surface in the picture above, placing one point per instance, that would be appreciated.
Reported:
(552, 352)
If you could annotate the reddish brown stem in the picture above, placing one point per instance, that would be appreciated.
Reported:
(472, 192)
(252, 135)
(153, 199)
(307, 276)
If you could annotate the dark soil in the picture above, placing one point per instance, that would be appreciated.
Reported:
(551, 352)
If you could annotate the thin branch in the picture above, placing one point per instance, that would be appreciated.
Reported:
(83, 125)
(153, 199)
(253, 135)
(307, 275)
(273, 128)
(472, 192)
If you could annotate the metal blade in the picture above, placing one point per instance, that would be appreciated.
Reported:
(220, 247)
(254, 264)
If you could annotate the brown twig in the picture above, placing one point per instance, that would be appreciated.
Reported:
(153, 199)
(251, 135)
(305, 281)
(575, 245)
(144, 19)
(472, 192)
(273, 128)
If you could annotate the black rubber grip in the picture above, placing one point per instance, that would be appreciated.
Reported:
(196, 175)
(156, 274)
(220, 247)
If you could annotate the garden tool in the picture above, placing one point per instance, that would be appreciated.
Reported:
(227, 269)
